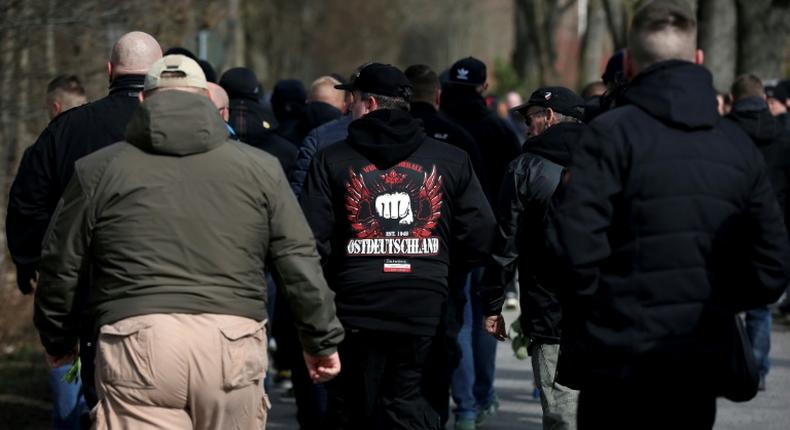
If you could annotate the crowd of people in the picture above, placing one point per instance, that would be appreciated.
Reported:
(375, 227)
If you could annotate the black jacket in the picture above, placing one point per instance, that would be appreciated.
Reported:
(48, 164)
(497, 143)
(249, 120)
(443, 129)
(772, 138)
(668, 226)
(523, 211)
(386, 206)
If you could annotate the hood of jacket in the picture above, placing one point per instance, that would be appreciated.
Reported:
(679, 93)
(753, 116)
(386, 136)
(176, 123)
(556, 143)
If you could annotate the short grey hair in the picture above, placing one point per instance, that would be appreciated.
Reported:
(662, 30)
(566, 118)
(388, 102)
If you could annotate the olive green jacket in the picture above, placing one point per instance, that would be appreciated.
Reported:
(180, 219)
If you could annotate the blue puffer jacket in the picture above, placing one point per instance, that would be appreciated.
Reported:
(331, 132)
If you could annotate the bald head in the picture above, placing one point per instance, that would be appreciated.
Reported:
(323, 90)
(133, 54)
(220, 99)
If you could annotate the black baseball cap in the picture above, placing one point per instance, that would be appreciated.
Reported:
(381, 79)
(240, 82)
(559, 99)
(776, 92)
(467, 71)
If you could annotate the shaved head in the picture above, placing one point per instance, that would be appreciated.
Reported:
(662, 30)
(323, 90)
(133, 54)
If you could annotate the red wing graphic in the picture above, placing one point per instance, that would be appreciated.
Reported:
(358, 198)
(430, 204)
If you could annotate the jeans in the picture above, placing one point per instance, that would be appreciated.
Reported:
(758, 326)
(559, 402)
(67, 400)
(472, 383)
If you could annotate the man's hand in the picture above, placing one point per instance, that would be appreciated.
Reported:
(322, 368)
(495, 326)
(69, 358)
(34, 283)
(26, 278)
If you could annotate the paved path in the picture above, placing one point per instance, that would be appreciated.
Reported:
(770, 410)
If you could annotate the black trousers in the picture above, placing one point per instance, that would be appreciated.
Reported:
(380, 384)
(657, 405)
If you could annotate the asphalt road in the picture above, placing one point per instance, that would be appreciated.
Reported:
(770, 410)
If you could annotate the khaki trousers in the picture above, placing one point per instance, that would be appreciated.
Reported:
(179, 371)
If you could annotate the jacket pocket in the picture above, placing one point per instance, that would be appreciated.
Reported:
(243, 354)
(126, 354)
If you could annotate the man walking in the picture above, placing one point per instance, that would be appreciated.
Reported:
(769, 134)
(178, 292)
(462, 100)
(48, 165)
(554, 118)
(668, 227)
(386, 205)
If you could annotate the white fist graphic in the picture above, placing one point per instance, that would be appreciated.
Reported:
(395, 206)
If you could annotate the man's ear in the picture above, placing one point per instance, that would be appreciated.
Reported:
(437, 98)
(699, 57)
(550, 116)
(141, 96)
(109, 71)
(373, 104)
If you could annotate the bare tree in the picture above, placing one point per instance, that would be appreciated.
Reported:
(717, 37)
(594, 39)
(535, 50)
(762, 36)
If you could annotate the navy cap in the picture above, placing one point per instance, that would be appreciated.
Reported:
(381, 79)
(468, 71)
(776, 92)
(240, 82)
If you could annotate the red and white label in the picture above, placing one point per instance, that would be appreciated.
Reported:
(397, 268)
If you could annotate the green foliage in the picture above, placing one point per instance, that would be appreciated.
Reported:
(506, 78)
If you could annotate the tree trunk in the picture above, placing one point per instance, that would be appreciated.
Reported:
(762, 36)
(534, 54)
(593, 44)
(618, 20)
(717, 37)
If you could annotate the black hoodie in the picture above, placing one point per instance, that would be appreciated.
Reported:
(497, 143)
(386, 206)
(666, 226)
(771, 137)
